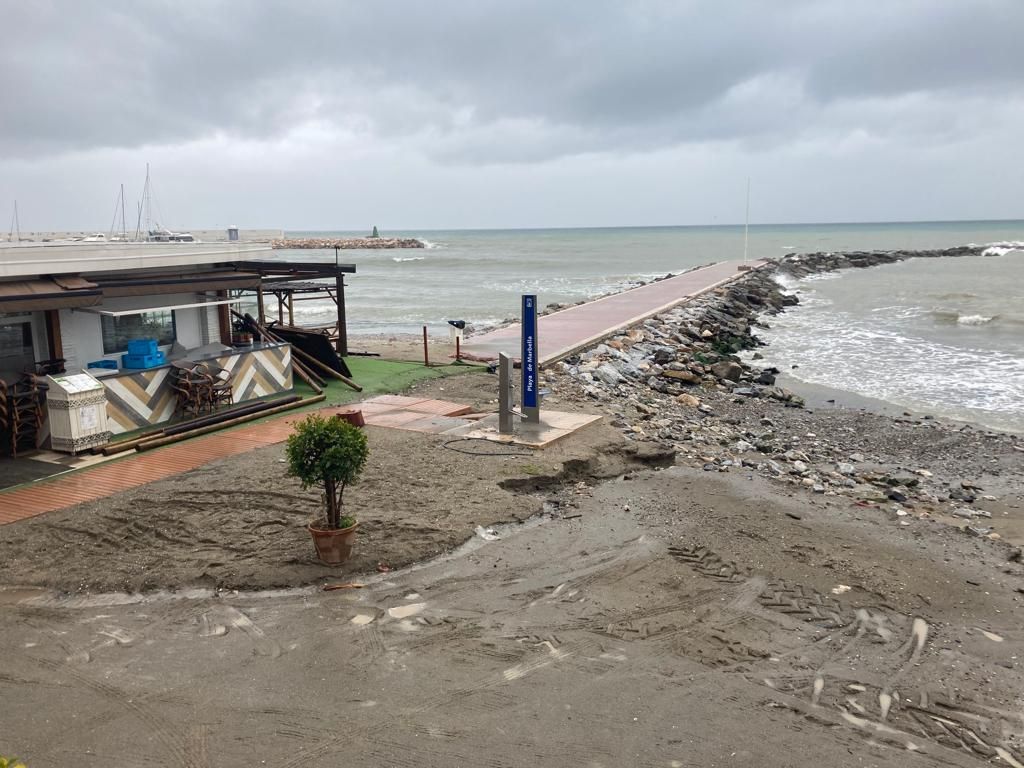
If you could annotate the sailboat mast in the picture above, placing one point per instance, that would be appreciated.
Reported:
(15, 224)
(746, 223)
(124, 224)
(146, 194)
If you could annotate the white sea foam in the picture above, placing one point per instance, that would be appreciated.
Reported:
(974, 319)
(400, 259)
(953, 316)
(431, 245)
(1002, 248)
(847, 352)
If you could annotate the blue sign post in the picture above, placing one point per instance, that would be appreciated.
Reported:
(531, 397)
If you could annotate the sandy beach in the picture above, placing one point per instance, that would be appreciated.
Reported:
(832, 577)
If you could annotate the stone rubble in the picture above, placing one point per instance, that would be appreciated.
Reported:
(676, 378)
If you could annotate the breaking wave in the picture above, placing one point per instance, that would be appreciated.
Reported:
(1002, 248)
(400, 259)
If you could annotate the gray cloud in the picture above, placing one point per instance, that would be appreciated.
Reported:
(486, 113)
(491, 81)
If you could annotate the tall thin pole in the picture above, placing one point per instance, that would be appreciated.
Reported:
(124, 224)
(746, 223)
(15, 224)
(146, 196)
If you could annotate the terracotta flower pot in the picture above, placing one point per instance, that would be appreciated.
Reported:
(353, 416)
(333, 546)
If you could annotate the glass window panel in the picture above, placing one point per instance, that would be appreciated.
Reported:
(16, 349)
(118, 331)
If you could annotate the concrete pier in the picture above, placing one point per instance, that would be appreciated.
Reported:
(569, 330)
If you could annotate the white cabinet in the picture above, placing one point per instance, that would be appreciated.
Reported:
(76, 404)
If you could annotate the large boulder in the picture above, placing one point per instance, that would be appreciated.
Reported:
(608, 375)
(728, 370)
(684, 377)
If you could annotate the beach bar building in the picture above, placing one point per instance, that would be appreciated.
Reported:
(72, 307)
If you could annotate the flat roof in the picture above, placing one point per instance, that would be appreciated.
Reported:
(35, 259)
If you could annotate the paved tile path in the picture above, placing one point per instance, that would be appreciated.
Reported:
(562, 333)
(135, 469)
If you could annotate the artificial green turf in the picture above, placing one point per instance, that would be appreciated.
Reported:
(378, 377)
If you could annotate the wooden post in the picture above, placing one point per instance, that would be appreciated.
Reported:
(339, 299)
(426, 356)
(54, 343)
(280, 307)
(259, 305)
(291, 308)
(224, 320)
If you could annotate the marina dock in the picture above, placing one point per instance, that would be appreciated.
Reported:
(569, 330)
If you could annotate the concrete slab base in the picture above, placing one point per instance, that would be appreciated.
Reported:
(554, 426)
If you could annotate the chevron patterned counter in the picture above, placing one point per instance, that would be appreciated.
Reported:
(140, 398)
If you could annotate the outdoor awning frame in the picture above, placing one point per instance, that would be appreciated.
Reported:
(164, 308)
(39, 294)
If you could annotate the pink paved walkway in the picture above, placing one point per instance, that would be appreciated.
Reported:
(562, 333)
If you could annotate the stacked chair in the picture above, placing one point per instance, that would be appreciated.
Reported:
(21, 413)
(200, 387)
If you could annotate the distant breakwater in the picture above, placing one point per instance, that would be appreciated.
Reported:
(802, 264)
(346, 243)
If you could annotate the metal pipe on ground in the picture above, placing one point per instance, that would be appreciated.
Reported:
(216, 418)
(126, 445)
(201, 421)
(161, 441)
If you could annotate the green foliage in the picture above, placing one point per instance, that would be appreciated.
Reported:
(327, 453)
(11, 762)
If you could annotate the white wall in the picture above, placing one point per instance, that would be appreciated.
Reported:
(81, 331)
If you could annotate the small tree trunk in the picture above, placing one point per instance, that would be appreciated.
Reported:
(332, 503)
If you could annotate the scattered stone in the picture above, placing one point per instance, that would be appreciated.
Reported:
(608, 375)
(686, 377)
(728, 370)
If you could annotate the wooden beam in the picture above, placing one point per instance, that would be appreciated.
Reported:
(224, 320)
(54, 342)
(259, 305)
(339, 299)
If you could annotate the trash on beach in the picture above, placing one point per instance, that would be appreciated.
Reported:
(487, 534)
(839, 589)
(346, 585)
(383, 567)
(405, 611)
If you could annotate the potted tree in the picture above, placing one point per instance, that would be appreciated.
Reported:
(328, 453)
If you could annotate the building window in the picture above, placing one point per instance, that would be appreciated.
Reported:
(118, 331)
(16, 349)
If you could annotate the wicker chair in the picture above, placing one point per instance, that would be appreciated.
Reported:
(193, 387)
(221, 384)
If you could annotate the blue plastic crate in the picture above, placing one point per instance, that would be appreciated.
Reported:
(143, 361)
(143, 347)
(102, 364)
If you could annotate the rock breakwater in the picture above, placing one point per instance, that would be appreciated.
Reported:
(346, 243)
(677, 379)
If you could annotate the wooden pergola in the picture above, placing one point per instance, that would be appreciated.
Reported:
(290, 281)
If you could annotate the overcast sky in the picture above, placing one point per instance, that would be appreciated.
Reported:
(485, 113)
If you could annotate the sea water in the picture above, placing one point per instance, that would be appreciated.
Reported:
(942, 335)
